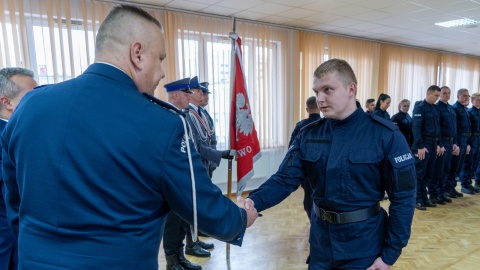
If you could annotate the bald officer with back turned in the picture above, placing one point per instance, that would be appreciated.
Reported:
(92, 167)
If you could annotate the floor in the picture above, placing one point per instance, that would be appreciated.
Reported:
(445, 237)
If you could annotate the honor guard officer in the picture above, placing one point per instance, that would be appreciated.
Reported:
(202, 134)
(426, 147)
(448, 131)
(91, 180)
(463, 139)
(209, 120)
(471, 160)
(175, 228)
(350, 158)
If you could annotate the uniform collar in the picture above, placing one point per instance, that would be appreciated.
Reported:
(111, 72)
(352, 117)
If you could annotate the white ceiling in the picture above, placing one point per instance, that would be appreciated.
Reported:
(409, 22)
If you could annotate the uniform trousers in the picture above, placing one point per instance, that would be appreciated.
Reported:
(424, 169)
(174, 233)
(437, 187)
(457, 161)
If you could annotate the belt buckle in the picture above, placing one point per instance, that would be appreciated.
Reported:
(331, 217)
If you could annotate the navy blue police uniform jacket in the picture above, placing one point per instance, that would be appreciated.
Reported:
(474, 115)
(92, 169)
(404, 123)
(448, 121)
(463, 124)
(351, 163)
(7, 241)
(426, 124)
(311, 118)
(383, 114)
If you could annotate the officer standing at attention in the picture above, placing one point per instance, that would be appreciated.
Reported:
(313, 115)
(448, 130)
(471, 160)
(175, 228)
(91, 180)
(463, 138)
(350, 158)
(403, 120)
(426, 146)
(209, 120)
(383, 103)
(14, 84)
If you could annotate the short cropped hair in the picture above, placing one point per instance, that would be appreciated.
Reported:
(433, 88)
(312, 103)
(339, 66)
(461, 90)
(7, 87)
(370, 100)
(110, 28)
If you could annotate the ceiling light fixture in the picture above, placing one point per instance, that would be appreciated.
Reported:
(458, 22)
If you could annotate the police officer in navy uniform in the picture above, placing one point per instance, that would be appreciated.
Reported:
(403, 120)
(209, 120)
(471, 160)
(91, 180)
(313, 115)
(448, 130)
(382, 105)
(175, 228)
(463, 139)
(426, 145)
(202, 134)
(350, 158)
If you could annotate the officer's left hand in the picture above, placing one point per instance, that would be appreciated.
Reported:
(378, 264)
(228, 154)
(468, 149)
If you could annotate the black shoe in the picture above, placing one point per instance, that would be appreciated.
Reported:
(450, 195)
(197, 251)
(457, 193)
(173, 263)
(476, 188)
(429, 203)
(186, 264)
(437, 200)
(205, 245)
(446, 199)
(420, 206)
(468, 190)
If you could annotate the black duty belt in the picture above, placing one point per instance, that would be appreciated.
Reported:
(347, 217)
(432, 139)
(476, 134)
(468, 134)
(447, 138)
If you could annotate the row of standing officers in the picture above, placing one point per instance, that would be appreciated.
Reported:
(444, 139)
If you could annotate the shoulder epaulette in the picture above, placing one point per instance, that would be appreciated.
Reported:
(162, 103)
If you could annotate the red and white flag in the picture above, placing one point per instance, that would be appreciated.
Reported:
(243, 136)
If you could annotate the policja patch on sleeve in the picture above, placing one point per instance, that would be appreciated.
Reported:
(403, 171)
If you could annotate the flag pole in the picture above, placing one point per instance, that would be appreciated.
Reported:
(230, 161)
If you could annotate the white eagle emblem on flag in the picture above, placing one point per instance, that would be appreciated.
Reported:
(244, 122)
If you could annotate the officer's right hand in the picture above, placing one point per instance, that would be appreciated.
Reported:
(252, 213)
(421, 153)
(378, 264)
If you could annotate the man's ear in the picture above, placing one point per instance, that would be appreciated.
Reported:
(6, 104)
(136, 55)
(352, 88)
